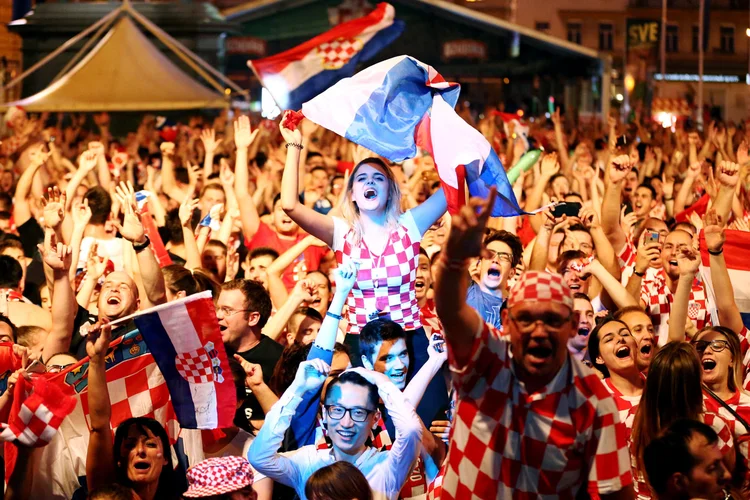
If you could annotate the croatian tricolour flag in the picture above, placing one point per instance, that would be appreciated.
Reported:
(301, 73)
(399, 105)
(738, 265)
(184, 339)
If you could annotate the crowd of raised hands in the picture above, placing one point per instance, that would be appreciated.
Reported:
(103, 216)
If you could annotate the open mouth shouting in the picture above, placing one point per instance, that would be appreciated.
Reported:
(419, 284)
(622, 352)
(646, 349)
(708, 364)
(539, 354)
(370, 193)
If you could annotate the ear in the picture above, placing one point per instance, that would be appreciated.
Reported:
(677, 483)
(181, 294)
(253, 319)
(376, 419)
(512, 272)
(366, 363)
(599, 360)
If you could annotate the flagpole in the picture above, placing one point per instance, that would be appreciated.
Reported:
(663, 46)
(699, 118)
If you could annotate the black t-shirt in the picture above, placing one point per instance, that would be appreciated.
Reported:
(31, 234)
(85, 318)
(176, 259)
(266, 353)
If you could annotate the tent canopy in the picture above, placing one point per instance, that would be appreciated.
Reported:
(124, 72)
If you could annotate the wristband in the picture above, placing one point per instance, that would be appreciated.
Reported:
(334, 316)
(669, 199)
(640, 275)
(719, 252)
(142, 246)
(294, 144)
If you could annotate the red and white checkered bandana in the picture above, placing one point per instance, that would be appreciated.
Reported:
(216, 476)
(541, 286)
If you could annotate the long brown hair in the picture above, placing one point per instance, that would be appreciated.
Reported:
(350, 210)
(735, 372)
(673, 391)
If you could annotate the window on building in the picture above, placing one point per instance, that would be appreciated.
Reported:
(542, 26)
(727, 39)
(696, 33)
(574, 32)
(606, 34)
(672, 41)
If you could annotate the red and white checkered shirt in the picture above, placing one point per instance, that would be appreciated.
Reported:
(430, 321)
(385, 283)
(507, 443)
(626, 405)
(740, 403)
(658, 299)
(626, 256)
(744, 335)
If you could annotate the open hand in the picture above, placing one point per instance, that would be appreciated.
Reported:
(54, 207)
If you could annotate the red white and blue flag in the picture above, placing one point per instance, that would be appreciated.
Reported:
(298, 74)
(185, 341)
(738, 265)
(399, 105)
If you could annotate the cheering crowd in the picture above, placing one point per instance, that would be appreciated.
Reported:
(380, 347)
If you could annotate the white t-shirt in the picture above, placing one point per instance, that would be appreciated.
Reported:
(113, 249)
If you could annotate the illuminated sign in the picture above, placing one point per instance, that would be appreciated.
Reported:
(246, 45)
(464, 49)
(692, 77)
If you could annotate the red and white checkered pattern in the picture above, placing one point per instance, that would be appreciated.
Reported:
(336, 54)
(744, 335)
(541, 286)
(739, 402)
(142, 393)
(217, 476)
(658, 299)
(430, 321)
(627, 255)
(195, 366)
(626, 405)
(507, 443)
(394, 272)
(35, 418)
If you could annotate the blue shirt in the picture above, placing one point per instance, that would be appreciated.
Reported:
(487, 305)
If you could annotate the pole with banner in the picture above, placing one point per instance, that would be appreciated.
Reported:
(642, 51)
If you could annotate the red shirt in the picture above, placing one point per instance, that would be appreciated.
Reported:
(308, 261)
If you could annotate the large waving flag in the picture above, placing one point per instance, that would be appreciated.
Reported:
(738, 265)
(301, 73)
(185, 340)
(399, 105)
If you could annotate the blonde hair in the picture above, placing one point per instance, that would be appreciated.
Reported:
(350, 210)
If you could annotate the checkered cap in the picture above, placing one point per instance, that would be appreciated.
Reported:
(541, 286)
(216, 476)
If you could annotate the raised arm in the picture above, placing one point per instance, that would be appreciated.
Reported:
(132, 230)
(729, 313)
(100, 461)
(319, 225)
(728, 175)
(276, 323)
(263, 454)
(86, 164)
(58, 257)
(460, 321)
(208, 137)
(687, 185)
(688, 261)
(21, 206)
(243, 137)
(419, 382)
(618, 169)
(426, 214)
(168, 179)
(345, 276)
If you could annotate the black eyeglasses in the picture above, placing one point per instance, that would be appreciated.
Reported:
(357, 414)
(527, 322)
(716, 345)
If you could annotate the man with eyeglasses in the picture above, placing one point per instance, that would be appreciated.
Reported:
(531, 421)
(243, 308)
(503, 251)
(349, 413)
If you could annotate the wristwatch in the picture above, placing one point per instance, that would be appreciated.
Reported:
(142, 246)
